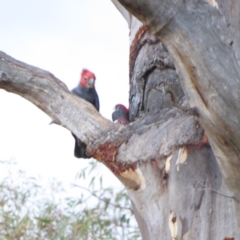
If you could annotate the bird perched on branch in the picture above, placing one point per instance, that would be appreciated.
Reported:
(120, 114)
(86, 90)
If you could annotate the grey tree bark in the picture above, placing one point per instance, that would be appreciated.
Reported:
(179, 158)
(203, 46)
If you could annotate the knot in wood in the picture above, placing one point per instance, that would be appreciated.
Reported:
(3, 76)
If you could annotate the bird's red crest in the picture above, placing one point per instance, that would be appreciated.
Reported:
(86, 75)
(126, 110)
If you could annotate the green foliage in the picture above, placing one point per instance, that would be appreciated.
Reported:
(29, 211)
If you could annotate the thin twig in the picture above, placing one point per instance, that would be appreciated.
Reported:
(101, 199)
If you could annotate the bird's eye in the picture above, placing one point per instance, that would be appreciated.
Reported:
(85, 79)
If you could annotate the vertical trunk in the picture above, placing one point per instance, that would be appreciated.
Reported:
(186, 196)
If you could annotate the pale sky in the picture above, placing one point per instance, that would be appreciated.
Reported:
(61, 36)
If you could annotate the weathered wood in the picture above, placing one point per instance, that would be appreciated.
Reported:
(167, 207)
(181, 188)
(185, 190)
(200, 41)
(122, 149)
(190, 201)
(52, 96)
(163, 158)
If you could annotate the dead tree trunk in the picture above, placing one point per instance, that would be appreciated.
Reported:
(182, 178)
(194, 191)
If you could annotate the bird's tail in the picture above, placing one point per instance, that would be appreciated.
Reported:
(80, 149)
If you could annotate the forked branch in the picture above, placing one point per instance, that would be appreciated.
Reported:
(120, 148)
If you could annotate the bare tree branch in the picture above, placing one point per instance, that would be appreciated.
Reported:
(52, 96)
(120, 148)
